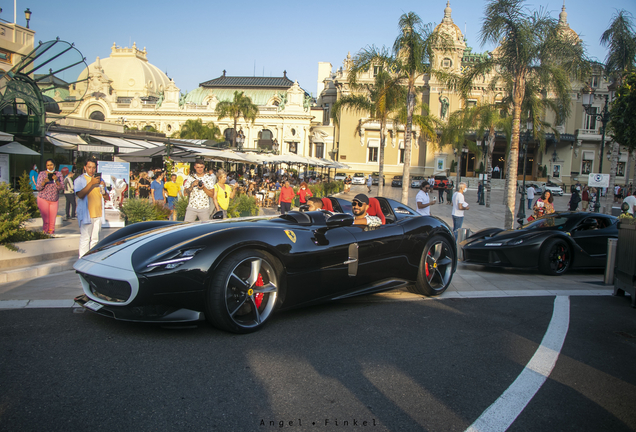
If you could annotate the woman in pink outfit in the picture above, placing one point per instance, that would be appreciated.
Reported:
(49, 185)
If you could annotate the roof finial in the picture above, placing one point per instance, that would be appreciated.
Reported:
(285, 73)
(447, 13)
(223, 72)
(563, 16)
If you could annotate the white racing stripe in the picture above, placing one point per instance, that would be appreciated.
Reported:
(502, 413)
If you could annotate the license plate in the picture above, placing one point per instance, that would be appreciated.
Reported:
(94, 306)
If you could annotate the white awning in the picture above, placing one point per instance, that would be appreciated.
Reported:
(65, 140)
(401, 145)
(373, 142)
(117, 142)
(127, 150)
(145, 144)
(96, 148)
(6, 137)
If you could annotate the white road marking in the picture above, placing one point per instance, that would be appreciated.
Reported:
(502, 413)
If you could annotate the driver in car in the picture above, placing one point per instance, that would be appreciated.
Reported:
(359, 205)
(314, 204)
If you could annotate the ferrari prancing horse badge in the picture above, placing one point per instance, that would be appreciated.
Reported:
(291, 235)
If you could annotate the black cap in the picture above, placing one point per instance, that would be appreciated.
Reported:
(361, 198)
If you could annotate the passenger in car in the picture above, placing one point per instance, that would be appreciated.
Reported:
(315, 204)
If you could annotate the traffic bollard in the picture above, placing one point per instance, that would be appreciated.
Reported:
(611, 261)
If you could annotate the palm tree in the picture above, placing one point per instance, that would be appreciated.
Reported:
(620, 38)
(195, 129)
(532, 49)
(379, 100)
(488, 118)
(454, 132)
(413, 51)
(241, 106)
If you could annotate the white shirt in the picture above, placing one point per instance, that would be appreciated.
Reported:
(422, 197)
(458, 198)
(631, 200)
(198, 198)
(530, 193)
(431, 181)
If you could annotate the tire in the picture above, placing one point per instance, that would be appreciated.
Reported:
(436, 267)
(555, 257)
(243, 293)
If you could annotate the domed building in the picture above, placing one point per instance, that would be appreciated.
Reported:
(126, 88)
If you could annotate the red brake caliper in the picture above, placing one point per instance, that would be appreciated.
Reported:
(426, 266)
(258, 297)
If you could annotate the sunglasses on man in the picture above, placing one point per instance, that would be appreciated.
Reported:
(356, 204)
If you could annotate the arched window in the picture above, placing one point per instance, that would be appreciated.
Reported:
(265, 139)
(97, 115)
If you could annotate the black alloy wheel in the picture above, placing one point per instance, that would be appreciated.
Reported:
(555, 257)
(244, 292)
(436, 267)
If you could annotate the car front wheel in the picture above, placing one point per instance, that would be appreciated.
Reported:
(436, 267)
(243, 292)
(555, 257)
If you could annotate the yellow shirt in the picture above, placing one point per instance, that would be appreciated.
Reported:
(223, 196)
(172, 188)
(94, 201)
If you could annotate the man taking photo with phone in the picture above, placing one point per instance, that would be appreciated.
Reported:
(423, 201)
(91, 192)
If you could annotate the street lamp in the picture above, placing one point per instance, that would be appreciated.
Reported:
(484, 147)
(521, 214)
(587, 98)
(240, 139)
(27, 15)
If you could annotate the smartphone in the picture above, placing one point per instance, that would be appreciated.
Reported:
(98, 175)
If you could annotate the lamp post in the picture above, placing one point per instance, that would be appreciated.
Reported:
(27, 15)
(484, 146)
(240, 139)
(521, 214)
(587, 98)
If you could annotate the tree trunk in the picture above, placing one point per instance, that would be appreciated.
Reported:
(381, 158)
(406, 173)
(490, 148)
(458, 177)
(628, 167)
(609, 196)
(513, 156)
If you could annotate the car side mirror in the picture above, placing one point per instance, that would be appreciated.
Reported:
(339, 220)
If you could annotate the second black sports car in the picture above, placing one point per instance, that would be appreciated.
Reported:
(239, 271)
(553, 243)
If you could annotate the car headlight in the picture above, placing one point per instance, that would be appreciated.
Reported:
(515, 242)
(176, 261)
(493, 244)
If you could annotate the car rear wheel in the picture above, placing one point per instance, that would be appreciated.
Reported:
(436, 267)
(243, 292)
(555, 257)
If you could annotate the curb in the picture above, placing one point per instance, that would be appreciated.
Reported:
(48, 268)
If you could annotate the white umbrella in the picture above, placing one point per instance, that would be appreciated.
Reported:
(17, 148)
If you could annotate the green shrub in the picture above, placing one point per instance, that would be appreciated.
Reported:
(242, 205)
(139, 210)
(27, 196)
(13, 215)
(180, 206)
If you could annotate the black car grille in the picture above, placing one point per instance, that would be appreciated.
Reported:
(111, 290)
(485, 257)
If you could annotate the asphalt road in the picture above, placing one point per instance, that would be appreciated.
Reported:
(398, 365)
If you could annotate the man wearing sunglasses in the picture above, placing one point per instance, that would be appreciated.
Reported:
(359, 206)
(423, 200)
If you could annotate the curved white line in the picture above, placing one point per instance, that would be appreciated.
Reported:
(503, 412)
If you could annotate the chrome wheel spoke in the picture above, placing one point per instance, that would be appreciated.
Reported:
(438, 251)
(269, 288)
(236, 309)
(257, 314)
(255, 270)
(444, 261)
(237, 282)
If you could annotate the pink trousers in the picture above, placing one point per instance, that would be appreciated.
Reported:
(48, 210)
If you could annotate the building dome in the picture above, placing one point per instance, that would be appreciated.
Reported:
(564, 27)
(447, 26)
(130, 73)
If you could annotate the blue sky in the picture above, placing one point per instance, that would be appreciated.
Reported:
(194, 41)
